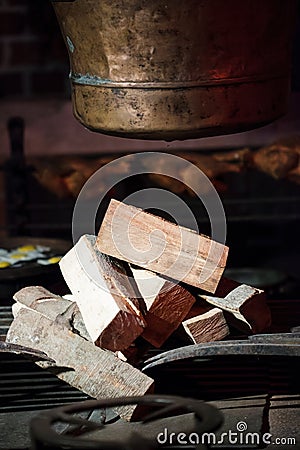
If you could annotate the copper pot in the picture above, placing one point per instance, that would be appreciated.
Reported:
(173, 69)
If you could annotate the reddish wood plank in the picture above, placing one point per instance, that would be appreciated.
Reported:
(132, 235)
(167, 305)
(207, 327)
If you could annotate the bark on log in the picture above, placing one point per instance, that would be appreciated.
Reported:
(247, 304)
(95, 371)
(52, 306)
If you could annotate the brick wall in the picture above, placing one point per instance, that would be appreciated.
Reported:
(33, 60)
(33, 57)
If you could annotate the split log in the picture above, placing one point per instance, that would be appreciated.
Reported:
(107, 301)
(174, 251)
(246, 304)
(167, 305)
(66, 175)
(43, 301)
(52, 306)
(213, 166)
(97, 372)
(207, 327)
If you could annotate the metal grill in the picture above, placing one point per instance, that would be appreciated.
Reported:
(25, 390)
(25, 386)
(6, 318)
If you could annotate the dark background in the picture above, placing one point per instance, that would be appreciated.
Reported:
(33, 58)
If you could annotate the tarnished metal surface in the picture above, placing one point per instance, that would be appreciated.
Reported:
(177, 414)
(174, 70)
(281, 344)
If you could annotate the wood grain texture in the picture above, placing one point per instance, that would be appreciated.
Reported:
(247, 305)
(207, 327)
(132, 235)
(97, 372)
(167, 305)
(106, 299)
(52, 306)
(43, 301)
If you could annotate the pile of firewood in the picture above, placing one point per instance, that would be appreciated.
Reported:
(65, 176)
(133, 286)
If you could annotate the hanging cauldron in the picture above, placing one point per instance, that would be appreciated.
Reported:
(173, 69)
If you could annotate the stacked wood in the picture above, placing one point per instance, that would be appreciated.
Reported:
(52, 306)
(174, 251)
(245, 305)
(97, 372)
(248, 312)
(107, 302)
(167, 305)
(280, 159)
(134, 285)
(207, 327)
(65, 176)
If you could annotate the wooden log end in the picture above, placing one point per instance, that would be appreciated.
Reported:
(207, 327)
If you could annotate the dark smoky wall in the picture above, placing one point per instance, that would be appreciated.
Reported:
(33, 57)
